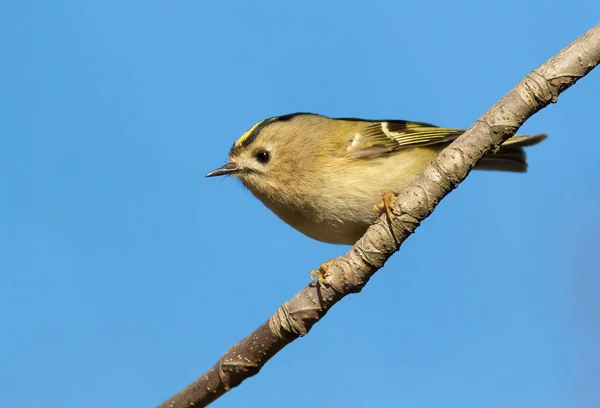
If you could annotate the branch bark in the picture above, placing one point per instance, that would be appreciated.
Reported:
(350, 272)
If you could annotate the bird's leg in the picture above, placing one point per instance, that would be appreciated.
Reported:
(321, 272)
(387, 199)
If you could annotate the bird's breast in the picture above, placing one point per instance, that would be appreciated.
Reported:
(339, 207)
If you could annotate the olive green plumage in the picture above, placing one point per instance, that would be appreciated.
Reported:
(323, 176)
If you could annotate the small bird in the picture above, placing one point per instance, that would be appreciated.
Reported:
(331, 178)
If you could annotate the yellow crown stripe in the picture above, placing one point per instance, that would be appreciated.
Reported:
(241, 140)
(250, 131)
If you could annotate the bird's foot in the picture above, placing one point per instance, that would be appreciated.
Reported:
(387, 200)
(318, 275)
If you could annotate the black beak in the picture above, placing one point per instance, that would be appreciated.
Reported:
(222, 171)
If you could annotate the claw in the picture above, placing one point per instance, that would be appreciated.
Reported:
(387, 199)
(318, 275)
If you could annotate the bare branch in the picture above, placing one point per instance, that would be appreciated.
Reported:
(350, 272)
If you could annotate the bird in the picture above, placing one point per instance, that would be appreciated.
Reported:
(331, 178)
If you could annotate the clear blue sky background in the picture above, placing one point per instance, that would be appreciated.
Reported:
(124, 274)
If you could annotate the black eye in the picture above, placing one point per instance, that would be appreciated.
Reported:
(263, 156)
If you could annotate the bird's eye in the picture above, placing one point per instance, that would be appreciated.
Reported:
(263, 156)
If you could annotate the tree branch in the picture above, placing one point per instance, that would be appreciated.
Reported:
(350, 272)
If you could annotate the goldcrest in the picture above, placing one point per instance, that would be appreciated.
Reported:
(330, 178)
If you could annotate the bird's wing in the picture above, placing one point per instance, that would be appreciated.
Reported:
(378, 138)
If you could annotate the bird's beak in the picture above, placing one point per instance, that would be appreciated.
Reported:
(224, 170)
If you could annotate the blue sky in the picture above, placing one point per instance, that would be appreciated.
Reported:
(124, 273)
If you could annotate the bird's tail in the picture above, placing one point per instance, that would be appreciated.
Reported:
(511, 156)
